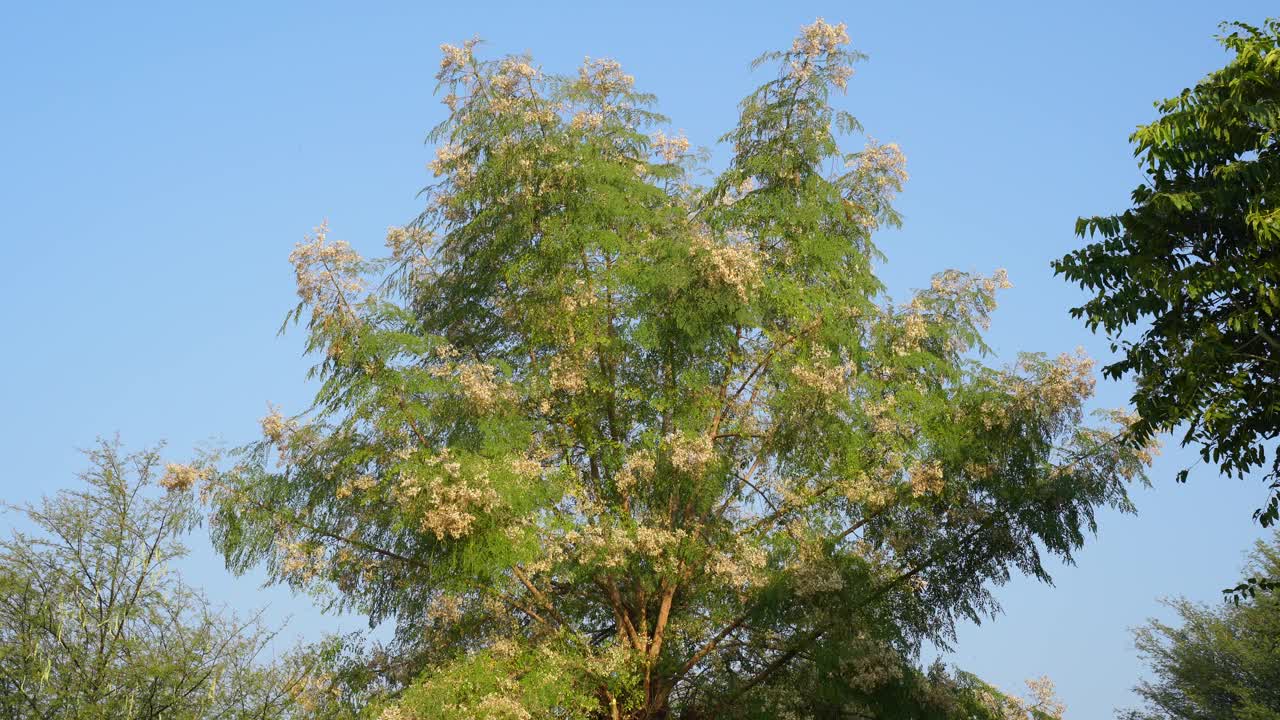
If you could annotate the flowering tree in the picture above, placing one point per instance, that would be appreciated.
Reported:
(606, 442)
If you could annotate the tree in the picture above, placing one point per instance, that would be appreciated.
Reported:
(605, 442)
(95, 624)
(1221, 661)
(1192, 271)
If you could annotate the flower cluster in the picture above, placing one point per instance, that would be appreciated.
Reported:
(883, 166)
(587, 120)
(362, 483)
(449, 503)
(669, 148)
(314, 691)
(444, 609)
(690, 455)
(926, 479)
(448, 158)
(734, 265)
(480, 385)
(1066, 383)
(821, 376)
(741, 566)
(1044, 703)
(613, 548)
(454, 58)
(327, 273)
(913, 332)
(883, 414)
(815, 574)
(405, 241)
(817, 42)
(567, 375)
(638, 467)
(298, 561)
(276, 427)
(965, 293)
(870, 492)
(395, 712)
(604, 76)
(512, 73)
(181, 478)
(999, 280)
(820, 38)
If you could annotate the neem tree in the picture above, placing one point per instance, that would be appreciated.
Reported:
(604, 442)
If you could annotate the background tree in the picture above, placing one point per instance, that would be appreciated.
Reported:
(604, 442)
(1198, 258)
(1221, 661)
(94, 623)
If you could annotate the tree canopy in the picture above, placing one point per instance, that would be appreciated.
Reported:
(604, 441)
(1187, 281)
(96, 625)
(1220, 661)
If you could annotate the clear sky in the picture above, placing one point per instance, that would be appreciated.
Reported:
(158, 161)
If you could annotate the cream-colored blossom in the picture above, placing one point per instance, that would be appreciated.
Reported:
(395, 712)
(605, 76)
(454, 57)
(638, 467)
(298, 561)
(480, 385)
(1043, 703)
(519, 67)
(814, 575)
(504, 648)
(1067, 383)
(840, 75)
(181, 478)
(998, 281)
(871, 492)
(883, 414)
(1045, 698)
(670, 149)
(690, 455)
(448, 157)
(820, 375)
(926, 479)
(359, 484)
(741, 566)
(735, 265)
(327, 273)
(275, 427)
(914, 331)
(406, 241)
(587, 120)
(567, 376)
(885, 166)
(496, 706)
(526, 466)
(445, 609)
(447, 500)
(820, 38)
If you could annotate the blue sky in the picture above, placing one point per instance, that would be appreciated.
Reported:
(160, 160)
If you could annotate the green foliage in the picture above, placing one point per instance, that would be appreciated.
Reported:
(602, 441)
(95, 624)
(1198, 258)
(1221, 661)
